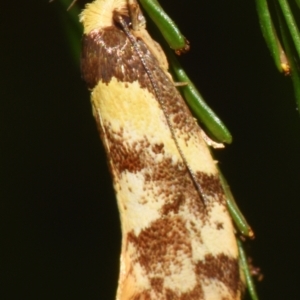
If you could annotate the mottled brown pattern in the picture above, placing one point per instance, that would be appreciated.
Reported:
(195, 294)
(163, 174)
(108, 53)
(158, 248)
(157, 284)
(126, 157)
(158, 245)
(173, 206)
(221, 268)
(211, 186)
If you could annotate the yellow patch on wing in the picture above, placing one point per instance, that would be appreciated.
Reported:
(128, 106)
(135, 110)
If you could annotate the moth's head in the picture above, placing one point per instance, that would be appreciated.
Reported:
(99, 14)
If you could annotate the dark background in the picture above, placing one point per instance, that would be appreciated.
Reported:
(60, 236)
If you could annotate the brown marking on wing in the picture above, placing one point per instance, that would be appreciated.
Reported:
(195, 294)
(108, 53)
(164, 175)
(211, 185)
(222, 268)
(161, 248)
(158, 245)
(219, 225)
(157, 284)
(158, 148)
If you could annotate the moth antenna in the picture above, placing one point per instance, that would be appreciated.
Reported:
(70, 6)
(120, 20)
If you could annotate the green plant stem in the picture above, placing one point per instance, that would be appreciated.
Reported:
(245, 267)
(291, 23)
(291, 54)
(270, 34)
(238, 218)
(166, 25)
(215, 127)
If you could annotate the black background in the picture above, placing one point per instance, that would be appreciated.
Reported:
(60, 235)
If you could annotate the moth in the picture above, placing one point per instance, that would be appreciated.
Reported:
(178, 240)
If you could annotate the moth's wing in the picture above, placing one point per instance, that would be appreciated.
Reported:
(173, 243)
